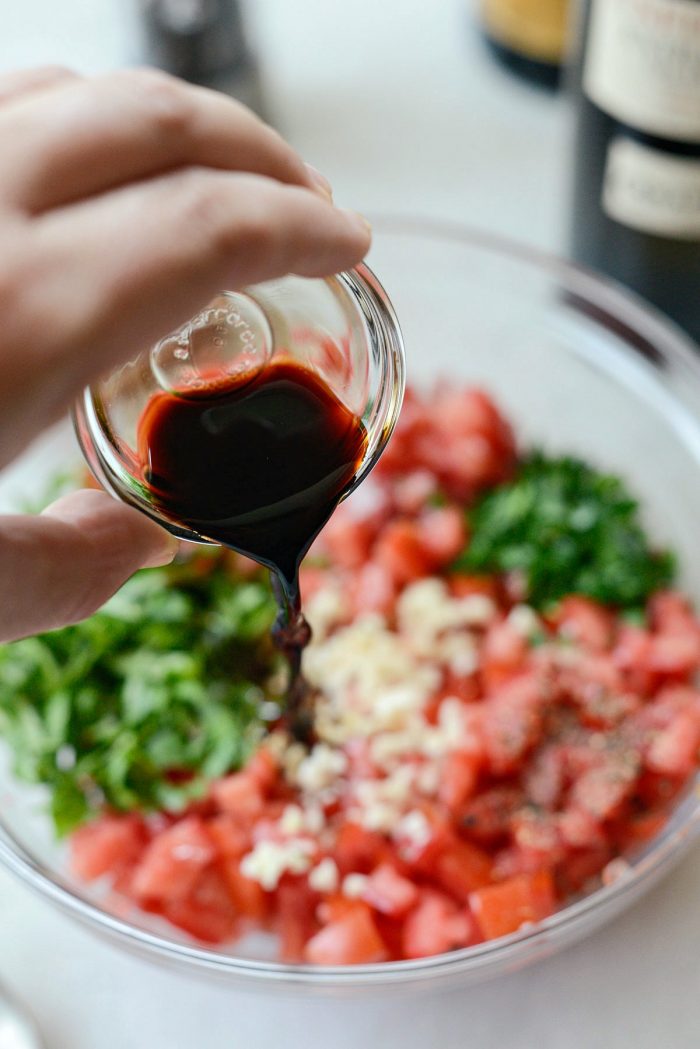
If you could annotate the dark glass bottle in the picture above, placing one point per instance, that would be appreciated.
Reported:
(636, 194)
(528, 37)
(205, 42)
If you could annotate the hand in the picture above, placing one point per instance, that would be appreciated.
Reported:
(126, 202)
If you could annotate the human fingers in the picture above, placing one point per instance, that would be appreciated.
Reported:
(23, 82)
(112, 275)
(61, 566)
(97, 134)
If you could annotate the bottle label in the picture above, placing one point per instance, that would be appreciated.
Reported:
(534, 28)
(643, 65)
(652, 191)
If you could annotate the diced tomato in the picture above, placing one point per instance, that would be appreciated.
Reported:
(631, 655)
(675, 654)
(580, 829)
(585, 622)
(487, 817)
(295, 906)
(462, 686)
(263, 769)
(334, 907)
(390, 928)
(545, 776)
(463, 414)
(206, 912)
(391, 931)
(311, 579)
(348, 539)
(399, 456)
(502, 909)
(421, 855)
(459, 773)
(437, 925)
(443, 534)
(674, 751)
(266, 827)
(669, 612)
(463, 585)
(512, 722)
(411, 492)
(461, 868)
(400, 550)
(389, 892)
(108, 845)
(468, 411)
(230, 837)
(581, 866)
(595, 684)
(536, 833)
(640, 829)
(359, 849)
(174, 861)
(359, 758)
(514, 860)
(468, 464)
(372, 589)
(602, 789)
(503, 655)
(352, 939)
(657, 791)
(248, 896)
(240, 794)
(666, 705)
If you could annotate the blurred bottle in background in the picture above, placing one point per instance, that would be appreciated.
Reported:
(528, 36)
(203, 41)
(636, 200)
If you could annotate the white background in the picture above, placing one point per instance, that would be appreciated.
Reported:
(396, 101)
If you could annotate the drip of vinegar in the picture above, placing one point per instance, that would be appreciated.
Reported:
(256, 462)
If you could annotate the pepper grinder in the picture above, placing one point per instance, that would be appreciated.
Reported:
(203, 41)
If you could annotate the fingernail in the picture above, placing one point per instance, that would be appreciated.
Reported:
(165, 552)
(357, 220)
(320, 182)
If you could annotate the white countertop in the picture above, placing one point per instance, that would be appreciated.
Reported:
(398, 104)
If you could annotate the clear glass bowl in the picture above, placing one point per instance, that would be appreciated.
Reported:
(580, 366)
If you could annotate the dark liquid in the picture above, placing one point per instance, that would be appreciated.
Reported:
(257, 464)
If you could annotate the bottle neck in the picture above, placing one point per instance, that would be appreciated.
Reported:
(198, 40)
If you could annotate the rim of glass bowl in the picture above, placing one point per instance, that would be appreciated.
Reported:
(676, 349)
(387, 361)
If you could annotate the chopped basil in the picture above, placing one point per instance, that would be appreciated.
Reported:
(564, 528)
(141, 705)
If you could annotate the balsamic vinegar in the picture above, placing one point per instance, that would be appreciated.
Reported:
(257, 463)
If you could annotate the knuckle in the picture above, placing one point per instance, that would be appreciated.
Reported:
(17, 269)
(37, 318)
(13, 85)
(10, 286)
(254, 233)
(167, 103)
(53, 73)
(224, 229)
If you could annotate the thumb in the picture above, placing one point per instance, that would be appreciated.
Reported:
(59, 567)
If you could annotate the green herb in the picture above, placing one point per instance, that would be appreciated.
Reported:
(565, 528)
(145, 702)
